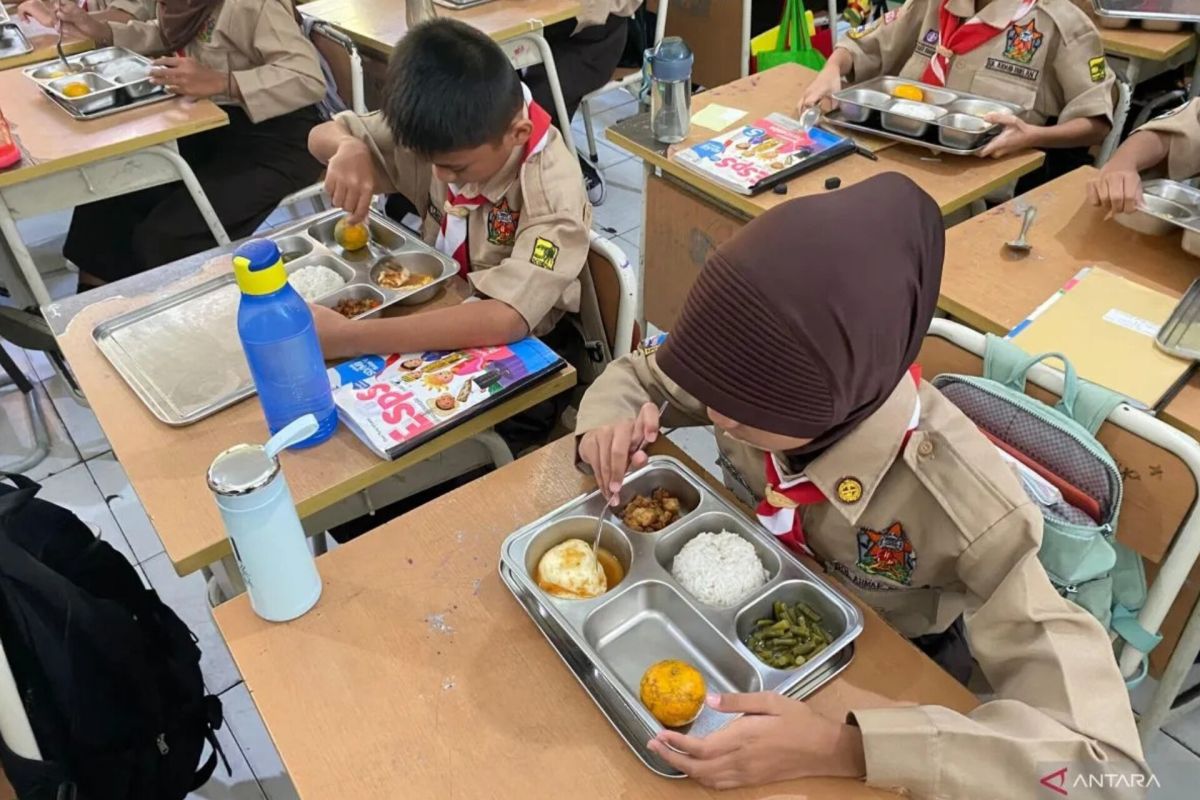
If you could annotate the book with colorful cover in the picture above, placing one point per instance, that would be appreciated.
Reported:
(754, 157)
(397, 402)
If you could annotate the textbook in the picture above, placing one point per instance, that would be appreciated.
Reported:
(1105, 325)
(397, 402)
(756, 156)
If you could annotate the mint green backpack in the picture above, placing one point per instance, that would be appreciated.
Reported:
(1085, 562)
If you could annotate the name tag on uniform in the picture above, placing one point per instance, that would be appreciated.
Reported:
(1015, 70)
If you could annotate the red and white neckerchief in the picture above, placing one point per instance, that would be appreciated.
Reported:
(778, 512)
(452, 238)
(957, 36)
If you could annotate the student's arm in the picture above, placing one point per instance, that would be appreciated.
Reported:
(618, 416)
(1019, 135)
(363, 160)
(121, 11)
(1118, 187)
(289, 76)
(477, 324)
(1060, 700)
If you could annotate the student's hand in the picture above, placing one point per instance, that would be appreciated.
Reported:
(778, 739)
(1119, 191)
(37, 11)
(188, 77)
(615, 449)
(75, 20)
(1017, 135)
(350, 179)
(333, 331)
(826, 83)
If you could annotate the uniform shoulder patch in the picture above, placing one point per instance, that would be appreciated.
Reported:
(545, 253)
(1097, 69)
(651, 343)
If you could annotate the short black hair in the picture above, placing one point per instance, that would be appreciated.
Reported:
(449, 87)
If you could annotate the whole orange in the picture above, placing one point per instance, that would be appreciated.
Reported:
(674, 692)
(351, 237)
(906, 91)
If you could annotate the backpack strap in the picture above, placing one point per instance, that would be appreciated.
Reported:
(1084, 402)
(13, 501)
(1125, 624)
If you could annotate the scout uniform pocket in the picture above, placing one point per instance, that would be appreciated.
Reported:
(1068, 473)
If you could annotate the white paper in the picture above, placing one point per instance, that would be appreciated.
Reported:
(1128, 321)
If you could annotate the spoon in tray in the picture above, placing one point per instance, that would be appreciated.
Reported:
(662, 409)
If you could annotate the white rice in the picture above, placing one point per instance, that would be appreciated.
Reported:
(315, 281)
(720, 569)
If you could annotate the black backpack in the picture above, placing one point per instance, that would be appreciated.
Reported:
(109, 676)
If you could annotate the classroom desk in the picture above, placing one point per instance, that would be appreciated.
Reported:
(992, 289)
(68, 162)
(692, 215)
(44, 49)
(166, 466)
(418, 675)
(378, 24)
(1139, 55)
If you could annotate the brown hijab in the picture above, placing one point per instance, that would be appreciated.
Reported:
(804, 322)
(180, 20)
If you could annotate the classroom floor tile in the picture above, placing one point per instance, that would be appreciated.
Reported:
(188, 596)
(16, 435)
(622, 208)
(255, 743)
(76, 490)
(1175, 769)
(239, 783)
(125, 506)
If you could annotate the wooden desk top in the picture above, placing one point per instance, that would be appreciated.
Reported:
(44, 49)
(1134, 42)
(953, 181)
(166, 465)
(52, 141)
(992, 289)
(378, 24)
(418, 675)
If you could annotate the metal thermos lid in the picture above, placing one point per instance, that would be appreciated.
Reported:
(241, 470)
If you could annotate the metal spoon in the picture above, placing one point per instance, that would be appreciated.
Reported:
(662, 409)
(69, 67)
(810, 118)
(1021, 244)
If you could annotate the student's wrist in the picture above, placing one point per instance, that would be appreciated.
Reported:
(850, 757)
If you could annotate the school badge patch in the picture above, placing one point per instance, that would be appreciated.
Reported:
(887, 553)
(651, 344)
(206, 33)
(1022, 42)
(1097, 69)
(545, 253)
(502, 224)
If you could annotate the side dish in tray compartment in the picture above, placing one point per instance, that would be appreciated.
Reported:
(790, 637)
(571, 571)
(720, 569)
(651, 514)
(673, 691)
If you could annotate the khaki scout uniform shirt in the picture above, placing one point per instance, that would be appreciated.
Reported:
(527, 243)
(138, 9)
(1050, 61)
(1183, 145)
(274, 65)
(970, 539)
(595, 12)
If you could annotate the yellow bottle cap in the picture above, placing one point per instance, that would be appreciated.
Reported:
(258, 267)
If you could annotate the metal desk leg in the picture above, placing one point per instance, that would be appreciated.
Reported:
(1162, 704)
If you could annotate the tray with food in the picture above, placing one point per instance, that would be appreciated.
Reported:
(98, 83)
(942, 120)
(181, 354)
(685, 595)
(13, 41)
(1166, 205)
(1152, 15)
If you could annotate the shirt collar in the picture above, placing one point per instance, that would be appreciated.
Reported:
(865, 454)
(498, 185)
(997, 14)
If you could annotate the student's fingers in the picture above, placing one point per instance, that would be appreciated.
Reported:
(749, 703)
(603, 457)
(1132, 190)
(648, 418)
(618, 459)
(713, 746)
(1103, 196)
(1093, 195)
(362, 205)
(588, 452)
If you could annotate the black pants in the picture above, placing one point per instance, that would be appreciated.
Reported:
(584, 62)
(244, 168)
(949, 651)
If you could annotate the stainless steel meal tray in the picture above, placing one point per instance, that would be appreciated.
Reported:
(1166, 205)
(871, 107)
(1152, 11)
(181, 354)
(13, 41)
(1180, 334)
(609, 641)
(118, 80)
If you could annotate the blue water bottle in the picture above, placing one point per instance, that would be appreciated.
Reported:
(280, 342)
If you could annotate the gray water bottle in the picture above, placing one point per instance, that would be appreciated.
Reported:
(669, 67)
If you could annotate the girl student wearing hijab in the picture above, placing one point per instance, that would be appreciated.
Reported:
(804, 366)
(252, 59)
(1043, 55)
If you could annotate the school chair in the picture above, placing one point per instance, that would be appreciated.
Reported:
(626, 81)
(529, 48)
(12, 375)
(1123, 98)
(607, 304)
(1158, 520)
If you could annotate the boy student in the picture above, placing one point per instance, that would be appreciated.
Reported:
(1043, 55)
(1169, 144)
(823, 422)
(251, 58)
(586, 51)
(506, 200)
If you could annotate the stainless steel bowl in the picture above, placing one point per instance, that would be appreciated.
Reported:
(978, 108)
(102, 56)
(1163, 25)
(102, 93)
(963, 131)
(131, 73)
(911, 118)
(425, 264)
(933, 95)
(1158, 222)
(857, 105)
(1114, 23)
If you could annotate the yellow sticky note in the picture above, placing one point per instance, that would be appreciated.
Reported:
(717, 117)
